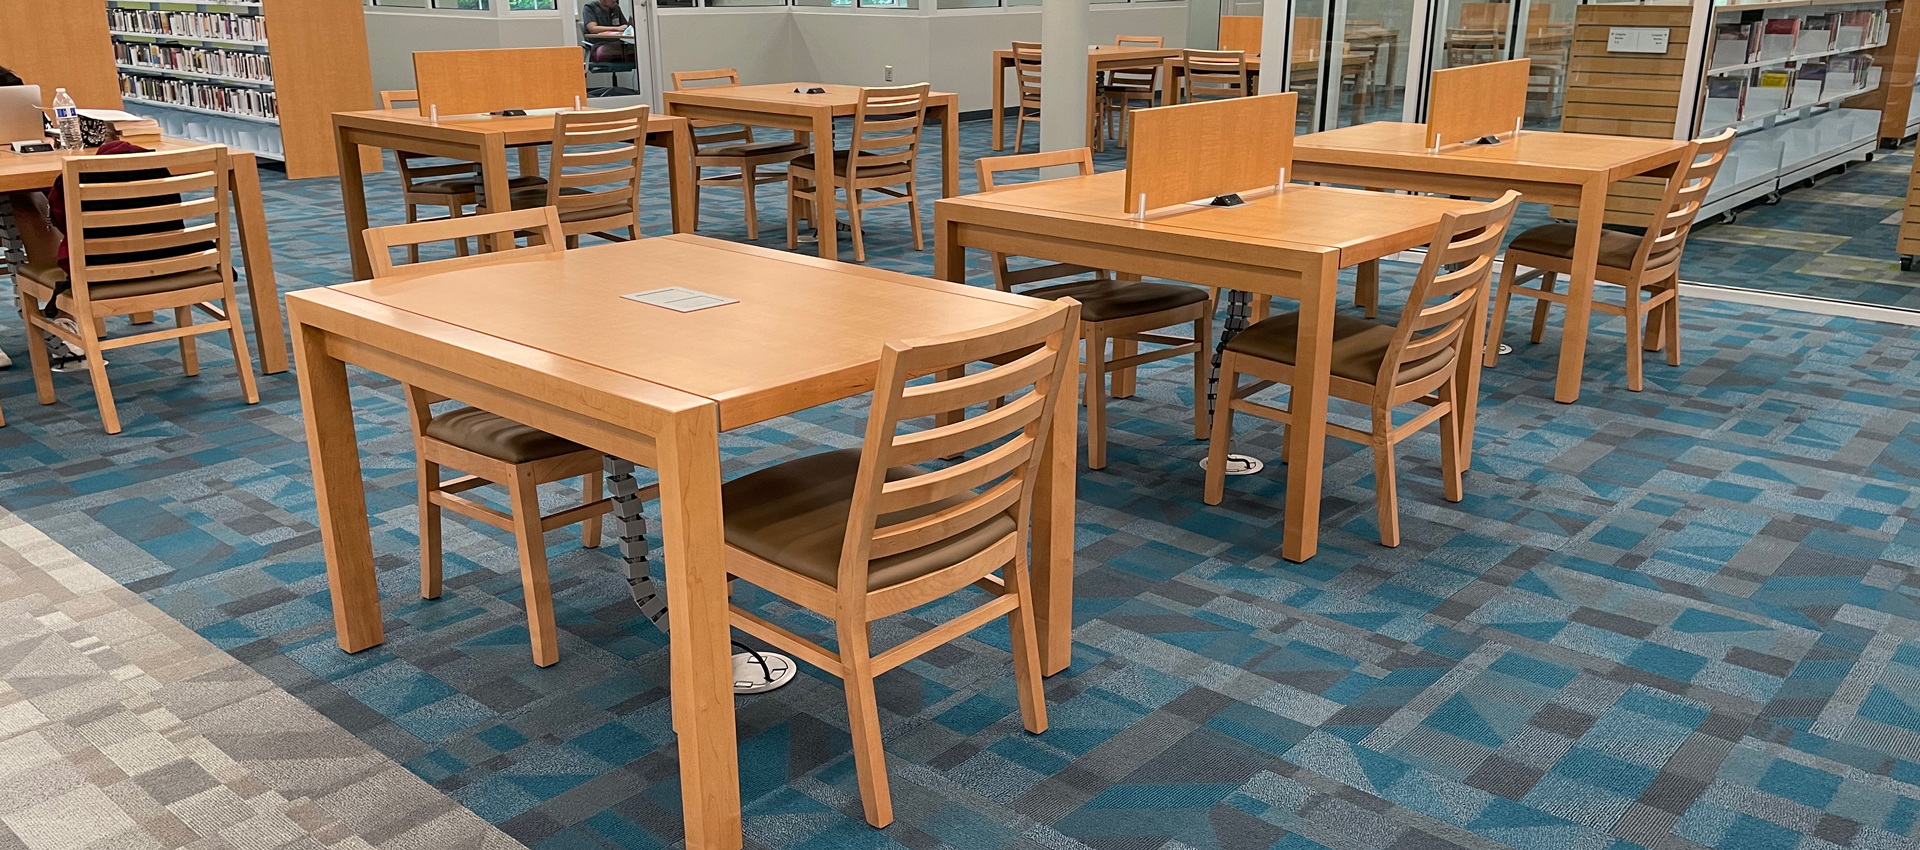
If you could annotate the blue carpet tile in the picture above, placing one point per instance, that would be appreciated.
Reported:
(1682, 618)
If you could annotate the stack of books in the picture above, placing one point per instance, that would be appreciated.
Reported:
(144, 132)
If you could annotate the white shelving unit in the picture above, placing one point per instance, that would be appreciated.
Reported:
(234, 127)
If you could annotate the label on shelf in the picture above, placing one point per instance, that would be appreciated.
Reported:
(1637, 39)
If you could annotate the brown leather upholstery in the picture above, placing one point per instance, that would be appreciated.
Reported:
(795, 515)
(1359, 347)
(753, 149)
(1556, 240)
(526, 199)
(840, 166)
(471, 185)
(1106, 300)
(52, 276)
(502, 439)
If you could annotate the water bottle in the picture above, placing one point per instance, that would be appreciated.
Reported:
(67, 116)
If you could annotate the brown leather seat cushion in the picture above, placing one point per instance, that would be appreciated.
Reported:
(1359, 347)
(52, 276)
(471, 185)
(795, 515)
(753, 149)
(1556, 240)
(840, 166)
(1105, 300)
(526, 199)
(497, 437)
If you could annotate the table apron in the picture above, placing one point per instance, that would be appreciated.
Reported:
(734, 115)
(411, 144)
(1441, 184)
(1116, 255)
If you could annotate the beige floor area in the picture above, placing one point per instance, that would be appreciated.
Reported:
(121, 728)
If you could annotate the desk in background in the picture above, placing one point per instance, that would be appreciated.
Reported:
(1100, 58)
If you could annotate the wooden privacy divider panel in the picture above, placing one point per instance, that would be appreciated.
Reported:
(1625, 94)
(319, 67)
(65, 46)
(1477, 100)
(1241, 32)
(1195, 151)
(464, 82)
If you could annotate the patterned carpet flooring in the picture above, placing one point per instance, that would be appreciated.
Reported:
(1683, 618)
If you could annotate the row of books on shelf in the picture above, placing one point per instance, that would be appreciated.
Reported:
(1782, 37)
(239, 64)
(221, 25)
(1744, 95)
(257, 103)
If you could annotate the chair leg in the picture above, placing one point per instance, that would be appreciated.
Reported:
(590, 485)
(697, 172)
(1216, 488)
(1636, 366)
(1020, 130)
(863, 720)
(1541, 307)
(1384, 487)
(524, 494)
(913, 208)
(748, 181)
(1502, 301)
(37, 349)
(1671, 318)
(1367, 287)
(242, 358)
(793, 212)
(1452, 472)
(1096, 398)
(430, 545)
(1026, 647)
(189, 351)
(853, 220)
(1202, 361)
(97, 367)
(1123, 379)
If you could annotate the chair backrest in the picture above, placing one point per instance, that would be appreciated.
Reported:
(889, 517)
(1450, 287)
(1212, 74)
(988, 168)
(1666, 236)
(886, 129)
(1139, 41)
(597, 156)
(683, 80)
(145, 215)
(1306, 39)
(411, 173)
(1026, 69)
(1136, 78)
(543, 223)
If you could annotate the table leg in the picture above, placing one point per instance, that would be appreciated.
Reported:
(1467, 373)
(529, 157)
(339, 493)
(1052, 531)
(999, 103)
(1586, 258)
(700, 653)
(950, 150)
(680, 179)
(497, 192)
(1307, 438)
(1093, 91)
(263, 291)
(353, 199)
(825, 219)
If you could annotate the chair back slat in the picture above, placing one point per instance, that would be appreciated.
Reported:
(888, 518)
(718, 132)
(585, 142)
(543, 223)
(144, 215)
(1026, 71)
(1666, 234)
(886, 128)
(411, 172)
(1213, 74)
(1451, 284)
(1139, 41)
(988, 167)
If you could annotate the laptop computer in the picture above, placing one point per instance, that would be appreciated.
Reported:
(20, 114)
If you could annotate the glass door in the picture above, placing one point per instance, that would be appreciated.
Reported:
(1471, 32)
(1377, 35)
(1549, 44)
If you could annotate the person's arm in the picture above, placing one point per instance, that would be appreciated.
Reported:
(594, 26)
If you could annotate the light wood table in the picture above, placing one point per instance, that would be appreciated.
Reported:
(1575, 169)
(550, 342)
(810, 117)
(1105, 57)
(483, 139)
(1291, 245)
(24, 176)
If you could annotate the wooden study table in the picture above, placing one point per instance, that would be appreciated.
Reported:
(549, 341)
(1291, 245)
(1574, 169)
(22, 176)
(810, 117)
(1105, 57)
(483, 139)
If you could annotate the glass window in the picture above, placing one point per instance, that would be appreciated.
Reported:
(468, 5)
(968, 4)
(888, 4)
(411, 4)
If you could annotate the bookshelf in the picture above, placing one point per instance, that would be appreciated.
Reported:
(260, 76)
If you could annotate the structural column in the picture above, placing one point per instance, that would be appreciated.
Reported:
(1064, 28)
(1276, 46)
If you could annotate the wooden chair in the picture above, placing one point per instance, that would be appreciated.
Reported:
(732, 146)
(492, 449)
(1381, 366)
(1123, 311)
(594, 173)
(1648, 263)
(1026, 71)
(863, 534)
(884, 154)
(428, 181)
(1126, 87)
(145, 232)
(1213, 74)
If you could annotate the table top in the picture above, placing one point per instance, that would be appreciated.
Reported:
(782, 99)
(1358, 225)
(806, 331)
(1532, 155)
(30, 171)
(409, 121)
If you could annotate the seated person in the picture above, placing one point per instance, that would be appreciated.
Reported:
(606, 17)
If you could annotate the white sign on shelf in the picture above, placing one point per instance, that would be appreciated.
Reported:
(1637, 39)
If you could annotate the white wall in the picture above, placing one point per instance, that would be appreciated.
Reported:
(757, 42)
(393, 34)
